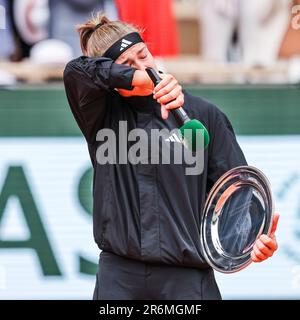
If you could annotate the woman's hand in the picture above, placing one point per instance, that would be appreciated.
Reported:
(265, 246)
(169, 94)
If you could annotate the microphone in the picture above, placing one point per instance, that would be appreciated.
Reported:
(183, 119)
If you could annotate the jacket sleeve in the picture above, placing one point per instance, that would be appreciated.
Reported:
(224, 150)
(88, 81)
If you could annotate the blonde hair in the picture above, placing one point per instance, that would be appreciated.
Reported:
(99, 33)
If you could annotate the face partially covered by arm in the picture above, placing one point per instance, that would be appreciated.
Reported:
(138, 57)
(168, 92)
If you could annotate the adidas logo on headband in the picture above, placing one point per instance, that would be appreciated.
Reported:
(125, 43)
(122, 45)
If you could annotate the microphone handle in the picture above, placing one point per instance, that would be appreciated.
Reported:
(179, 113)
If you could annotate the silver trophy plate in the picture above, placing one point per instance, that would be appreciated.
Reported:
(238, 209)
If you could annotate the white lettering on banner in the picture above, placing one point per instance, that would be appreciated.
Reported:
(50, 172)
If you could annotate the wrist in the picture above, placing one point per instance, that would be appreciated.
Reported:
(142, 80)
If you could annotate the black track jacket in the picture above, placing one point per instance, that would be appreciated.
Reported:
(148, 212)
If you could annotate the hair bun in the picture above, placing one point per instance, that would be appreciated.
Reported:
(98, 26)
(100, 20)
(96, 43)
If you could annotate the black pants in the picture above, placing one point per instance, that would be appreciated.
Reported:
(119, 278)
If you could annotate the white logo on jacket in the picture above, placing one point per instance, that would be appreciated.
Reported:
(174, 138)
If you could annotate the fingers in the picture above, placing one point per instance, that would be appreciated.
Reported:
(254, 258)
(171, 95)
(263, 248)
(166, 79)
(275, 223)
(269, 242)
(258, 254)
(164, 112)
(178, 102)
(172, 105)
(166, 89)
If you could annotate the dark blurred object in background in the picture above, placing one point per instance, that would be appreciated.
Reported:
(157, 18)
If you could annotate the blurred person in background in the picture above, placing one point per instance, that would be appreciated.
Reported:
(290, 46)
(67, 13)
(30, 24)
(7, 41)
(32, 21)
(259, 26)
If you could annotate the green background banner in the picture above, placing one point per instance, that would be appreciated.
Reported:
(253, 110)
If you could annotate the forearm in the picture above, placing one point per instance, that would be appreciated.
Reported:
(141, 83)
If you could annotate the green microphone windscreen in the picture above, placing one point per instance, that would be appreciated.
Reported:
(190, 138)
